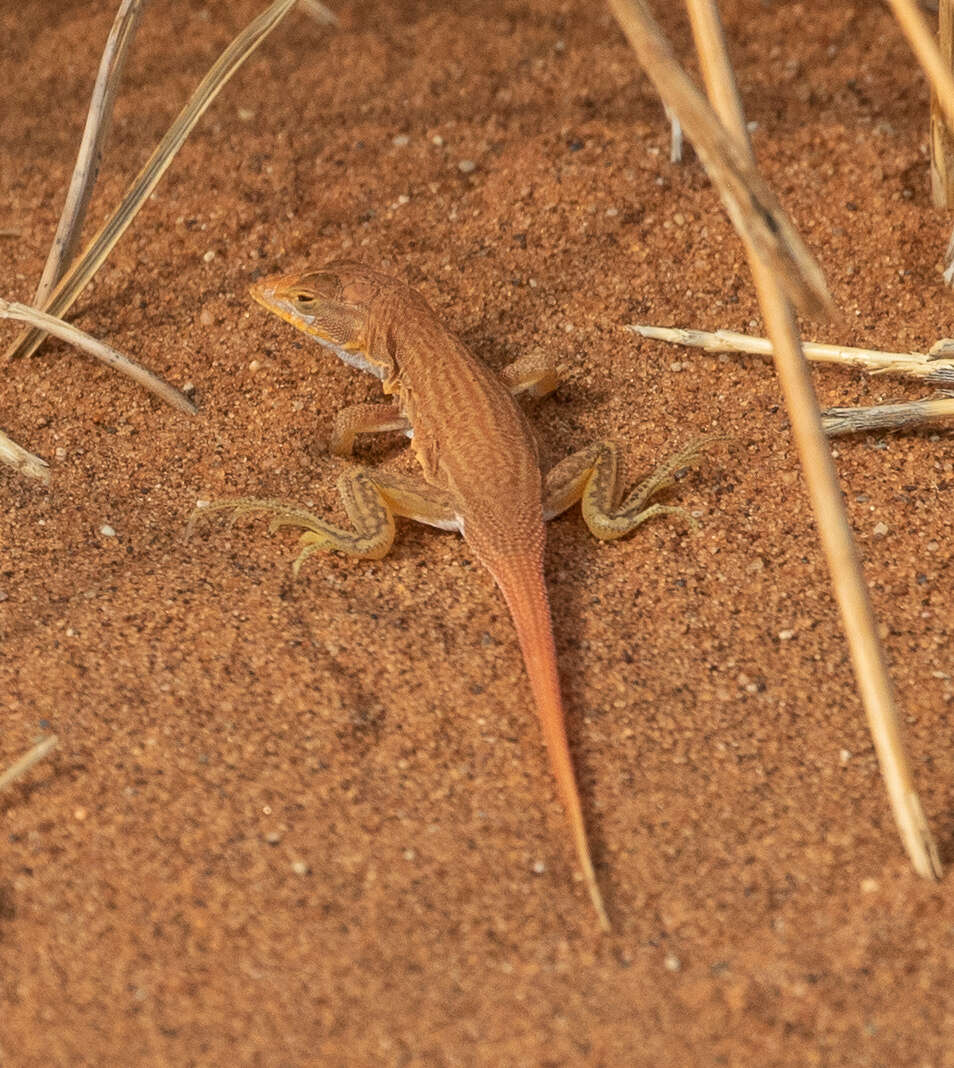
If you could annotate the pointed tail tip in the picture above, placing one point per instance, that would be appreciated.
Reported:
(605, 926)
(592, 886)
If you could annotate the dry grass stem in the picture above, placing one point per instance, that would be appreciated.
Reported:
(923, 44)
(82, 270)
(839, 421)
(318, 11)
(15, 456)
(824, 491)
(31, 757)
(926, 366)
(752, 206)
(942, 139)
(91, 146)
(675, 137)
(949, 261)
(104, 353)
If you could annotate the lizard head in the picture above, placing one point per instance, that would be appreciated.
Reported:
(332, 305)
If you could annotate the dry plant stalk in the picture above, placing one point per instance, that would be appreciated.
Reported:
(920, 37)
(942, 140)
(821, 479)
(907, 414)
(31, 757)
(318, 11)
(925, 366)
(91, 146)
(15, 456)
(82, 270)
(10, 309)
(936, 63)
(752, 206)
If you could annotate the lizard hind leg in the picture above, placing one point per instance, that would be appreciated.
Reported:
(591, 476)
(371, 500)
(372, 519)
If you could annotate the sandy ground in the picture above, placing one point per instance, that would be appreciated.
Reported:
(311, 822)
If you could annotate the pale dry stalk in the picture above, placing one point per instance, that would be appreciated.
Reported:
(91, 146)
(821, 479)
(82, 270)
(20, 767)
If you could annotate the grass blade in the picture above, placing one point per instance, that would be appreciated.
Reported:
(80, 272)
(31, 757)
(926, 366)
(104, 353)
(91, 147)
(752, 206)
(824, 491)
(15, 456)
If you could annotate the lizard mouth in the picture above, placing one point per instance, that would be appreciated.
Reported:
(263, 293)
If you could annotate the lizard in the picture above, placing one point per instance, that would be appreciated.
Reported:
(481, 473)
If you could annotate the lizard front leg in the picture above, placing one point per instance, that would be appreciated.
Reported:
(363, 419)
(371, 499)
(591, 476)
(535, 373)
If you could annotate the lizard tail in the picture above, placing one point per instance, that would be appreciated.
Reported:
(524, 589)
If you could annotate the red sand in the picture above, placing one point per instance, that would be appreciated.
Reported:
(311, 822)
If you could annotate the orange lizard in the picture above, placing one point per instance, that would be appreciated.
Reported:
(479, 458)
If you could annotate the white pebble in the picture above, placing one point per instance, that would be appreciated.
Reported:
(466, 166)
(107, 531)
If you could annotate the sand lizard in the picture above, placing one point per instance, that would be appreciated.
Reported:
(480, 465)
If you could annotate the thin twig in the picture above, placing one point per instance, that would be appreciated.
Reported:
(921, 365)
(675, 137)
(91, 147)
(839, 421)
(10, 309)
(15, 456)
(752, 206)
(942, 139)
(82, 270)
(318, 11)
(923, 44)
(821, 480)
(31, 757)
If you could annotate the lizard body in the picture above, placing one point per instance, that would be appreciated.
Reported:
(478, 455)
